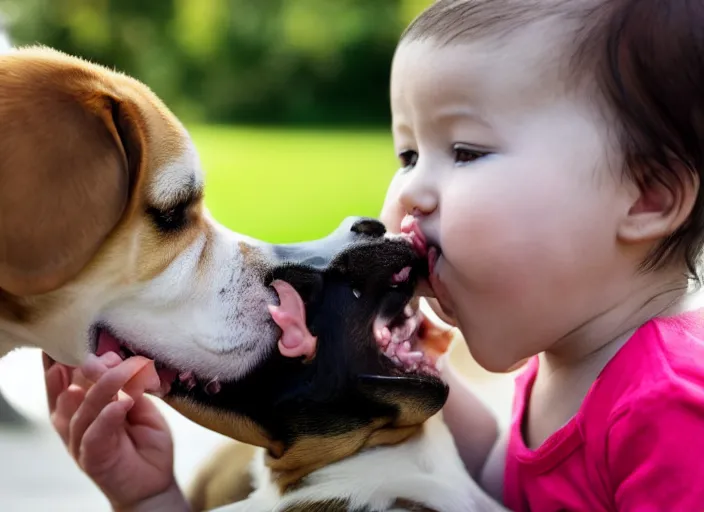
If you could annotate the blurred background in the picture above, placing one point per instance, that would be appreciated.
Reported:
(287, 101)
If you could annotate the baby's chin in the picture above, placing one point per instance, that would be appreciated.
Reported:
(517, 366)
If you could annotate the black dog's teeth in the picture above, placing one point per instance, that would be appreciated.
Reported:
(401, 276)
(213, 387)
(188, 380)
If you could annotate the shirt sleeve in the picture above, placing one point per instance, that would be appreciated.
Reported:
(656, 452)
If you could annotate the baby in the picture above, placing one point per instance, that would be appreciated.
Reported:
(551, 156)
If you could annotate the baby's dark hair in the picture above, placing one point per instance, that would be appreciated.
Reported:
(647, 59)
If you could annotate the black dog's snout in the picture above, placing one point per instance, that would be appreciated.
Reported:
(356, 254)
(318, 254)
(303, 264)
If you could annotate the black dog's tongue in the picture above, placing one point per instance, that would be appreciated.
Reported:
(290, 315)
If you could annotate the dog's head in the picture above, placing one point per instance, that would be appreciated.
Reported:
(351, 370)
(105, 243)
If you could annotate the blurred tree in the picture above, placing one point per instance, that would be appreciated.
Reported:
(264, 61)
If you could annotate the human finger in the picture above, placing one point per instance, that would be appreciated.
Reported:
(102, 393)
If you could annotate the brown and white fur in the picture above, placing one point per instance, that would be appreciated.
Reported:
(422, 474)
(103, 226)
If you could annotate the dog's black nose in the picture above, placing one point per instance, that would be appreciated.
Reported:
(371, 227)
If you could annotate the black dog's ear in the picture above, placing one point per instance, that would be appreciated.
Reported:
(415, 398)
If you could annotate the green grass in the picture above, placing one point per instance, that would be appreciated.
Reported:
(283, 185)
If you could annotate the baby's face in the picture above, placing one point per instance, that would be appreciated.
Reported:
(511, 178)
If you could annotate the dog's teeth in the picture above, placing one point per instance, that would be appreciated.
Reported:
(408, 311)
(414, 357)
(356, 293)
(213, 387)
(402, 350)
(190, 382)
(382, 340)
(401, 276)
(390, 350)
(399, 335)
(411, 368)
(386, 334)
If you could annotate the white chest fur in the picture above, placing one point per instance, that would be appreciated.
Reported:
(426, 469)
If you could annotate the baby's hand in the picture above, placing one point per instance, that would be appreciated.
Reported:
(114, 432)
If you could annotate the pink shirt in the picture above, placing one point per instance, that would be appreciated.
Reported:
(637, 442)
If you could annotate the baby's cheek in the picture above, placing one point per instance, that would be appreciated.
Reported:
(476, 237)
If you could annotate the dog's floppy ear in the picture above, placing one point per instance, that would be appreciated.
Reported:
(69, 153)
(415, 398)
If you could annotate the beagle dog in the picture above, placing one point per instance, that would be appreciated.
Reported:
(355, 424)
(105, 243)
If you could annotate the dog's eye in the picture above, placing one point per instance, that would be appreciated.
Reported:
(170, 219)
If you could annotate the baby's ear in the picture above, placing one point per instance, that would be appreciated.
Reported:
(660, 206)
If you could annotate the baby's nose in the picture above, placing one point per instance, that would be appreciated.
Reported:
(419, 199)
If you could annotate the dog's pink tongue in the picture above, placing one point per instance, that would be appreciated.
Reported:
(107, 343)
(290, 315)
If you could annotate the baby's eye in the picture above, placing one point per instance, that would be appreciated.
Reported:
(465, 154)
(408, 158)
